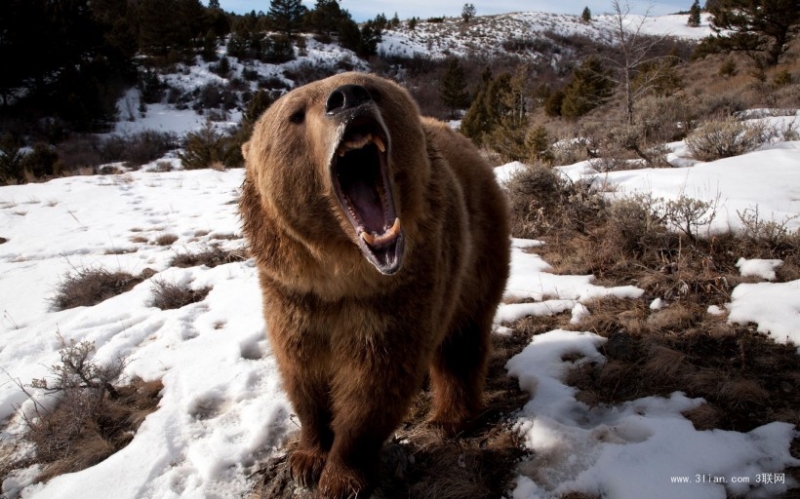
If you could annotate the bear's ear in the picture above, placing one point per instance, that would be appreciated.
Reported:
(245, 150)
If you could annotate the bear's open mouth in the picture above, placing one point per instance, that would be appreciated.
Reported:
(359, 170)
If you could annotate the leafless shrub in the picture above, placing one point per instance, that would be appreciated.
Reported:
(85, 287)
(724, 139)
(94, 418)
(688, 215)
(168, 296)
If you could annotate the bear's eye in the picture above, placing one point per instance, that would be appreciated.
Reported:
(298, 116)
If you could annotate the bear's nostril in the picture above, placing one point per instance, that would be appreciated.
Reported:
(346, 97)
(335, 101)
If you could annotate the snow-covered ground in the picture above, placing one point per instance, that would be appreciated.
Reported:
(223, 408)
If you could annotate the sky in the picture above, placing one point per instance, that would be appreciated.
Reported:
(424, 9)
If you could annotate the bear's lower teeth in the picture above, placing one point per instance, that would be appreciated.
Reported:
(386, 237)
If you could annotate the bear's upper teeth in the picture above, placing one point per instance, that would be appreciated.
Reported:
(351, 145)
(386, 237)
(379, 142)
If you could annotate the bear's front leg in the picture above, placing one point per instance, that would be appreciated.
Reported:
(371, 395)
(311, 401)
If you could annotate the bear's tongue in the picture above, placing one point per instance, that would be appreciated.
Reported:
(362, 192)
(366, 197)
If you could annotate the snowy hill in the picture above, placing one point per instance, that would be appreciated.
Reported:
(486, 34)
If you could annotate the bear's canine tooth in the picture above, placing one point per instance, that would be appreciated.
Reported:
(390, 234)
(395, 229)
(379, 142)
(368, 238)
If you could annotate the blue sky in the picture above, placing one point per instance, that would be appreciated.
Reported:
(423, 9)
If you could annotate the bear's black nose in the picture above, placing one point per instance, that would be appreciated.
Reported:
(346, 97)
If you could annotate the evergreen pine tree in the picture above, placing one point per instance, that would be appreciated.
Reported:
(477, 122)
(370, 37)
(326, 17)
(349, 35)
(586, 16)
(380, 21)
(286, 15)
(553, 103)
(158, 26)
(589, 88)
(453, 87)
(537, 142)
(762, 28)
(468, 12)
(694, 14)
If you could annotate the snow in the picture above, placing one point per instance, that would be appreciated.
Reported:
(551, 294)
(774, 306)
(221, 407)
(634, 449)
(764, 269)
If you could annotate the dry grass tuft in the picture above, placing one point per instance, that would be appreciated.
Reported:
(211, 257)
(166, 239)
(169, 296)
(86, 287)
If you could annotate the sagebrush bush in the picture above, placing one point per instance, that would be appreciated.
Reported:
(138, 148)
(689, 215)
(544, 200)
(772, 235)
(636, 224)
(724, 139)
(208, 147)
(41, 161)
(569, 151)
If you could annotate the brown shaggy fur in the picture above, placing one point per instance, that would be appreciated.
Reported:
(353, 344)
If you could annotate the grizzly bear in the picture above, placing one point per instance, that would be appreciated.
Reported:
(381, 241)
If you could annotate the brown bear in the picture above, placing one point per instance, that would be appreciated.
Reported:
(381, 241)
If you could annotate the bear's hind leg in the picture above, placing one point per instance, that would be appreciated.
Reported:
(457, 375)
